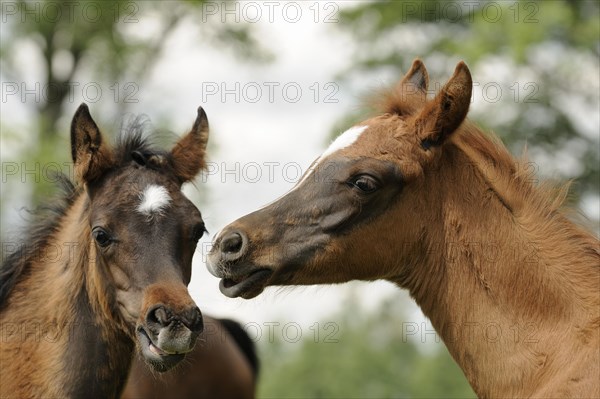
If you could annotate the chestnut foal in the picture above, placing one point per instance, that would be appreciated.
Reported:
(419, 196)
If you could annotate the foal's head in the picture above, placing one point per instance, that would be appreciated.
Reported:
(357, 204)
(143, 233)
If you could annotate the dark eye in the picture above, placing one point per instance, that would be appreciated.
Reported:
(365, 183)
(198, 232)
(101, 236)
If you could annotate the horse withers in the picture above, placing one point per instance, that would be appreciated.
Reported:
(419, 196)
(107, 271)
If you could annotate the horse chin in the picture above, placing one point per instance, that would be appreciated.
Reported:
(247, 286)
(156, 358)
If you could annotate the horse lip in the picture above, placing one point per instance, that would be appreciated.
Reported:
(248, 286)
(155, 357)
(149, 346)
(214, 266)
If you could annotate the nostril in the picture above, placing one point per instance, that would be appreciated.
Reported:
(158, 315)
(232, 243)
(192, 319)
(197, 324)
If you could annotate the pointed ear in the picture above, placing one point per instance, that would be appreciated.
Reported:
(91, 156)
(443, 115)
(417, 77)
(189, 153)
(409, 94)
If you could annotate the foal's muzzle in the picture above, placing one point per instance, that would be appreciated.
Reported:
(166, 336)
(227, 261)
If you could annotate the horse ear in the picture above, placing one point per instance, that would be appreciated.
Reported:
(91, 156)
(443, 115)
(189, 152)
(408, 95)
(417, 77)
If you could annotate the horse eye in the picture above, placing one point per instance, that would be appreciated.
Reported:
(198, 232)
(101, 236)
(365, 183)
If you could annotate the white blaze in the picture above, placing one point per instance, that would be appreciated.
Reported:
(344, 140)
(154, 199)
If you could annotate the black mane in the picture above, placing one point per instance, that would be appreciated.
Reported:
(132, 138)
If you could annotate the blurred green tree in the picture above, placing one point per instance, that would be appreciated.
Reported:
(104, 38)
(92, 41)
(535, 64)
